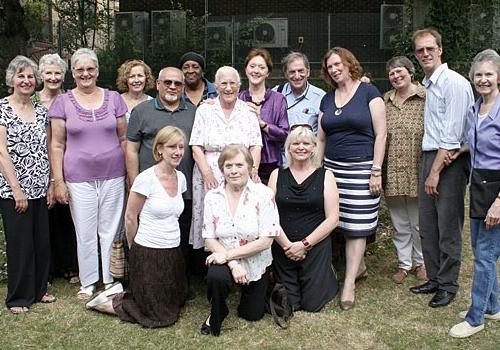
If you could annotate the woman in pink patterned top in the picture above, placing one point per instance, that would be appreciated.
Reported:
(240, 223)
(88, 165)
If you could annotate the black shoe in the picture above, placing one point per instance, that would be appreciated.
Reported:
(441, 298)
(426, 288)
(191, 294)
(205, 329)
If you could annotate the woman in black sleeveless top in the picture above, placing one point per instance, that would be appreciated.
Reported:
(308, 204)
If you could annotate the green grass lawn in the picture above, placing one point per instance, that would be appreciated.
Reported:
(386, 316)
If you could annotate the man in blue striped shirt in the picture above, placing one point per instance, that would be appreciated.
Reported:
(442, 188)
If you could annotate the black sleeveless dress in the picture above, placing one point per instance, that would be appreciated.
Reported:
(311, 283)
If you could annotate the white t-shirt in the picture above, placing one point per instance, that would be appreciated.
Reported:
(159, 217)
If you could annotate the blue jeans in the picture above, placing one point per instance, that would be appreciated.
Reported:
(486, 248)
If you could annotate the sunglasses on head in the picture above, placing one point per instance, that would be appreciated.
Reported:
(295, 126)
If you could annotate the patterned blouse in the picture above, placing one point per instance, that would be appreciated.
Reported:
(405, 130)
(27, 147)
(256, 216)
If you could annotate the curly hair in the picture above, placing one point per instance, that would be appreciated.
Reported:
(347, 58)
(124, 71)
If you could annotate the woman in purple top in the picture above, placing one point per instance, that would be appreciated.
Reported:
(88, 165)
(270, 109)
(484, 143)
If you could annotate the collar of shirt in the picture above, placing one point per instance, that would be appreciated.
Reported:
(420, 92)
(208, 91)
(160, 106)
(248, 98)
(250, 187)
(494, 111)
(287, 90)
(435, 76)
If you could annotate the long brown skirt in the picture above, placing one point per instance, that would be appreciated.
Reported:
(158, 287)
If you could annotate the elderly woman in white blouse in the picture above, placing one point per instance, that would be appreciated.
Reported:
(240, 223)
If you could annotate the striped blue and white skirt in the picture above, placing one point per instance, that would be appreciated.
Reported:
(358, 209)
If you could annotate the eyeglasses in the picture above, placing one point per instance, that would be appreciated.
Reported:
(225, 84)
(168, 83)
(429, 49)
(295, 126)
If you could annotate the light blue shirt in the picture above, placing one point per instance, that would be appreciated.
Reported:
(303, 109)
(448, 102)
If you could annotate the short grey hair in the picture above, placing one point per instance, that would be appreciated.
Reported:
(401, 61)
(487, 55)
(18, 64)
(52, 58)
(84, 53)
(292, 56)
(227, 69)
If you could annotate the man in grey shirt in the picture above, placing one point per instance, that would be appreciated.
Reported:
(442, 188)
(146, 119)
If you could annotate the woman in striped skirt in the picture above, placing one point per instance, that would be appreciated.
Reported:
(352, 134)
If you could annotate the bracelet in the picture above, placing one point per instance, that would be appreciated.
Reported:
(376, 168)
(52, 180)
(376, 174)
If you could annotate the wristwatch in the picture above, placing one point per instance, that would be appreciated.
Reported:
(306, 244)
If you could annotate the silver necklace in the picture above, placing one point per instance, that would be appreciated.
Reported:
(338, 111)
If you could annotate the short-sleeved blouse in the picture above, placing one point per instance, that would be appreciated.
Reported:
(213, 131)
(256, 216)
(405, 130)
(159, 217)
(93, 150)
(27, 148)
(349, 135)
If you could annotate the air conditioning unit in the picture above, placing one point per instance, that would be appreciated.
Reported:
(220, 35)
(133, 26)
(272, 33)
(168, 30)
(391, 24)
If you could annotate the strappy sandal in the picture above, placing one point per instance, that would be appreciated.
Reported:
(85, 293)
(48, 298)
(18, 310)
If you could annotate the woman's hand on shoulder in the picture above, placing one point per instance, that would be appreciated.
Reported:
(209, 181)
(239, 274)
(20, 201)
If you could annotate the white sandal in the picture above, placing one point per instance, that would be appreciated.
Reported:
(85, 293)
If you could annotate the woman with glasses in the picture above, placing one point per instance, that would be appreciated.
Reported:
(226, 121)
(308, 206)
(352, 135)
(270, 109)
(134, 77)
(88, 165)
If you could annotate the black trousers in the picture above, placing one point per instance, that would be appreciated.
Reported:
(310, 283)
(28, 251)
(62, 242)
(441, 221)
(252, 300)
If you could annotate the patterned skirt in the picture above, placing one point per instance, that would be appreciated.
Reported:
(158, 287)
(358, 209)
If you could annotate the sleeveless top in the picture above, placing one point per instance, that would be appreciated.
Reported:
(300, 206)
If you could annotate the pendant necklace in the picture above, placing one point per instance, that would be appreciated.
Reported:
(338, 111)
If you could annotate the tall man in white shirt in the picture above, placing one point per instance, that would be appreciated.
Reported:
(442, 188)
(302, 98)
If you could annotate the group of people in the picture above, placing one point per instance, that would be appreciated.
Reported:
(261, 179)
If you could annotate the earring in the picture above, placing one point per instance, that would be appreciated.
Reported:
(161, 155)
